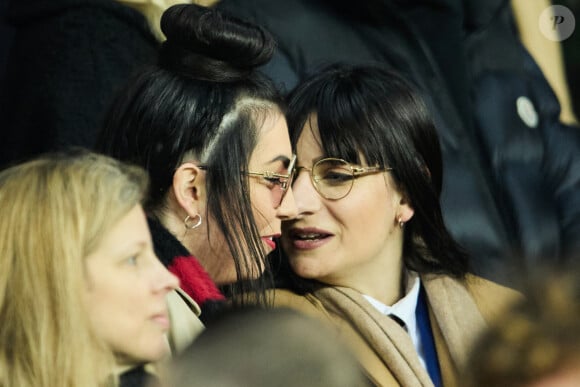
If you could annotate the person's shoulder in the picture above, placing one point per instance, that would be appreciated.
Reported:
(304, 303)
(286, 297)
(486, 288)
(492, 299)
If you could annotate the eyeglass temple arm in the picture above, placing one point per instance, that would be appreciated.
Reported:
(274, 174)
(361, 171)
(266, 174)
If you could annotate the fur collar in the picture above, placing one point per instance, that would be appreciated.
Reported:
(194, 280)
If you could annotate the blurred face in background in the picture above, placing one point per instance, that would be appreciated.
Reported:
(567, 376)
(127, 289)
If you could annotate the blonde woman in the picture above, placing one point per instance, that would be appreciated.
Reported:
(209, 129)
(82, 295)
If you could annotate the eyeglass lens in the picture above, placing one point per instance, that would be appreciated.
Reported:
(332, 178)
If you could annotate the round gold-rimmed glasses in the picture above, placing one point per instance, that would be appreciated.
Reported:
(280, 181)
(334, 178)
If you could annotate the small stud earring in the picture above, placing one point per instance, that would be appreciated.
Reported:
(401, 223)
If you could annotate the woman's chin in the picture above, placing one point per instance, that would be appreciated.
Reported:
(305, 270)
(155, 352)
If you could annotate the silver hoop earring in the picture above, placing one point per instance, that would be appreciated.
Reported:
(188, 221)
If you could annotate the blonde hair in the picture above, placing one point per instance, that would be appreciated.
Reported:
(55, 211)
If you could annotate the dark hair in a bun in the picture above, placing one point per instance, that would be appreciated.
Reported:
(208, 45)
(203, 102)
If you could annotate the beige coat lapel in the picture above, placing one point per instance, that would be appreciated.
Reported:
(383, 335)
(446, 364)
(460, 312)
(456, 314)
(185, 323)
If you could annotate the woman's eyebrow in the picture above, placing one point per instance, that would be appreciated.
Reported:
(284, 159)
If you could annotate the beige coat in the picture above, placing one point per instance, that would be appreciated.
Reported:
(459, 313)
(185, 326)
(184, 319)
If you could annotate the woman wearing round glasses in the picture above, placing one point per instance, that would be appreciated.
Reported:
(369, 250)
(211, 132)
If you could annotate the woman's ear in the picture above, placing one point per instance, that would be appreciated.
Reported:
(405, 211)
(189, 188)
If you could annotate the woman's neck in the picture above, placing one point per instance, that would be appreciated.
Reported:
(381, 279)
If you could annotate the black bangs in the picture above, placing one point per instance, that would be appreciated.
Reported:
(371, 113)
(346, 117)
(345, 120)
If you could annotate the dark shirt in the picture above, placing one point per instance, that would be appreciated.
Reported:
(67, 58)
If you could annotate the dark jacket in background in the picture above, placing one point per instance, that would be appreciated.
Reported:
(67, 58)
(138, 377)
(511, 184)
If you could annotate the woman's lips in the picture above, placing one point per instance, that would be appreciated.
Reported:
(269, 240)
(162, 319)
(308, 238)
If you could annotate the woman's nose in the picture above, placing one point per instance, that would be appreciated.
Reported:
(287, 209)
(165, 280)
(305, 194)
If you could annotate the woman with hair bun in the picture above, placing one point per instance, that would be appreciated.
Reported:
(211, 132)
